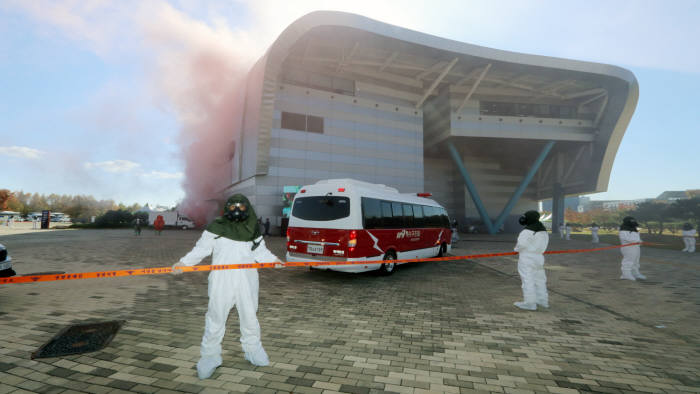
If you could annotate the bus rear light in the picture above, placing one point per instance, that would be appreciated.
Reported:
(288, 239)
(424, 194)
(341, 189)
(302, 191)
(352, 242)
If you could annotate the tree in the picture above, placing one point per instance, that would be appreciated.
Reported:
(141, 215)
(115, 218)
(687, 210)
(648, 212)
(5, 196)
(38, 202)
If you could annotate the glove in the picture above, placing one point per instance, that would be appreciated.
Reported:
(176, 270)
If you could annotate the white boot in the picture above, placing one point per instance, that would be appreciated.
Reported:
(207, 365)
(638, 275)
(525, 306)
(627, 274)
(258, 357)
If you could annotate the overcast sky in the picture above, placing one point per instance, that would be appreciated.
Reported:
(96, 97)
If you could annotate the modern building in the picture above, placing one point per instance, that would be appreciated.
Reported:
(614, 205)
(673, 195)
(487, 132)
(573, 203)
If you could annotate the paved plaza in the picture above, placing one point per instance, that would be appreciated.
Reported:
(431, 327)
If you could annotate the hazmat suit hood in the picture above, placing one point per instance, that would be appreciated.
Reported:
(531, 221)
(244, 230)
(687, 226)
(629, 224)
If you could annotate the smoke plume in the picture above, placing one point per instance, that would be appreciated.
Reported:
(201, 72)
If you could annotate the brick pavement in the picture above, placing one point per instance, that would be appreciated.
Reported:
(431, 327)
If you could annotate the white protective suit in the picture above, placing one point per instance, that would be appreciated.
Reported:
(689, 240)
(568, 232)
(594, 234)
(227, 288)
(562, 231)
(630, 255)
(530, 247)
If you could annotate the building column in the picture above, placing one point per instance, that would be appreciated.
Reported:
(523, 185)
(557, 207)
(471, 188)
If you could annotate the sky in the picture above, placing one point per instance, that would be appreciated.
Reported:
(130, 100)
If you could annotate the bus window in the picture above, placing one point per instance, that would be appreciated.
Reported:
(418, 219)
(408, 215)
(444, 220)
(321, 208)
(433, 216)
(386, 214)
(397, 211)
(371, 213)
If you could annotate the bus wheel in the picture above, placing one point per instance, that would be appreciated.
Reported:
(443, 250)
(388, 268)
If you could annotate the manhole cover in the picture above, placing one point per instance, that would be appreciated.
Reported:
(79, 338)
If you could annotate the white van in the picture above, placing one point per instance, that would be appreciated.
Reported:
(351, 220)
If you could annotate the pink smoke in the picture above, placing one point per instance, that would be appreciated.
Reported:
(201, 72)
(207, 141)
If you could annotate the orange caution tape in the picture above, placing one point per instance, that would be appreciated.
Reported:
(203, 268)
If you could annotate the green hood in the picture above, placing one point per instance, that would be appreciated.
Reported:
(247, 230)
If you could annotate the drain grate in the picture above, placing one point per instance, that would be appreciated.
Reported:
(79, 338)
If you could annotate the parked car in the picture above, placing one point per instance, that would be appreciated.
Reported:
(5, 263)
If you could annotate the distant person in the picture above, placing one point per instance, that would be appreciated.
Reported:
(455, 230)
(630, 254)
(137, 226)
(562, 230)
(233, 238)
(159, 224)
(267, 226)
(532, 242)
(594, 233)
(568, 231)
(35, 223)
(689, 238)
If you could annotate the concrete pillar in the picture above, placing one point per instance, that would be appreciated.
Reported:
(557, 207)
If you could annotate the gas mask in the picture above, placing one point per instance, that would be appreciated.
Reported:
(630, 221)
(529, 217)
(236, 212)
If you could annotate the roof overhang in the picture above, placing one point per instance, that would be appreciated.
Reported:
(421, 64)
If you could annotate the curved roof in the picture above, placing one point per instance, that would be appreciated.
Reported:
(616, 112)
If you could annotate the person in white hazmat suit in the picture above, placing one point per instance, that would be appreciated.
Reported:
(689, 238)
(630, 254)
(594, 233)
(233, 238)
(532, 242)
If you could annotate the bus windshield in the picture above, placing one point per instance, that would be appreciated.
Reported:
(321, 208)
